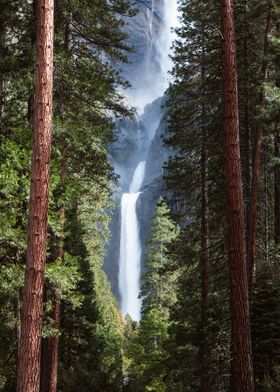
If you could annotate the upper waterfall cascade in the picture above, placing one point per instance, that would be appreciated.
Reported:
(148, 74)
(150, 78)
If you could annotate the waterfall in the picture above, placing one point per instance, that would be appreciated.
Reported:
(130, 248)
(155, 82)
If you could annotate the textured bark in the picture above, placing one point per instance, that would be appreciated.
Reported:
(2, 92)
(277, 192)
(205, 378)
(277, 171)
(266, 203)
(50, 345)
(50, 350)
(251, 244)
(29, 358)
(18, 327)
(2, 83)
(247, 122)
(242, 371)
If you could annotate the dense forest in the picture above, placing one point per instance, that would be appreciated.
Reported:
(210, 285)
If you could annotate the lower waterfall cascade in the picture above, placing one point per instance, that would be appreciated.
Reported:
(130, 247)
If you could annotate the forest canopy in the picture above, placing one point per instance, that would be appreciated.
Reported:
(197, 211)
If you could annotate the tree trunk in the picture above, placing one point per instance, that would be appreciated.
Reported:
(50, 345)
(277, 191)
(251, 244)
(2, 96)
(2, 55)
(239, 303)
(205, 379)
(204, 351)
(266, 206)
(247, 122)
(29, 358)
(18, 328)
(50, 350)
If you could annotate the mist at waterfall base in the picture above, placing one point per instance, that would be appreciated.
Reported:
(154, 81)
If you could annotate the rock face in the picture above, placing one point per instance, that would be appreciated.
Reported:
(154, 185)
(145, 62)
(128, 148)
(140, 139)
(158, 153)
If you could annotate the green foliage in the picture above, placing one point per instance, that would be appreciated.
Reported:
(272, 383)
(86, 103)
(196, 136)
(99, 350)
(91, 341)
(65, 276)
(158, 281)
(266, 323)
(148, 368)
(147, 353)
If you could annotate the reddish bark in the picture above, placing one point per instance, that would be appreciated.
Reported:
(251, 244)
(266, 204)
(50, 350)
(205, 379)
(204, 264)
(30, 344)
(242, 371)
(2, 83)
(277, 192)
(51, 344)
(247, 122)
(2, 95)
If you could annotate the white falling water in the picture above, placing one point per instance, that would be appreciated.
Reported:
(154, 81)
(130, 250)
(154, 86)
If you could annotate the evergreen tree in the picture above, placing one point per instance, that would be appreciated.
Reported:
(242, 369)
(157, 289)
(147, 351)
(265, 325)
(196, 180)
(32, 300)
(86, 80)
(183, 342)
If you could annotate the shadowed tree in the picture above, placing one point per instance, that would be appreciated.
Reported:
(242, 376)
